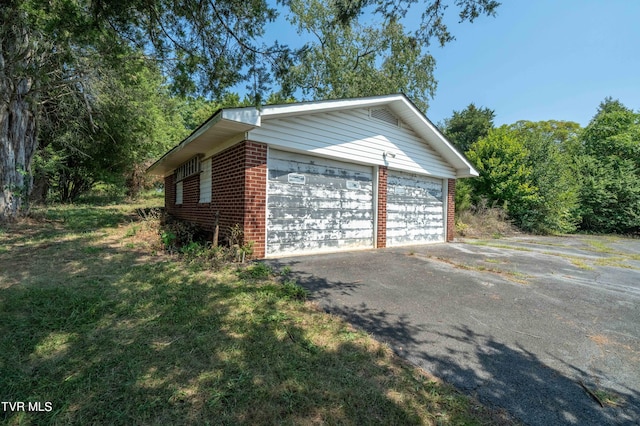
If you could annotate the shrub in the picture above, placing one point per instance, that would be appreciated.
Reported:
(194, 243)
(256, 271)
(484, 221)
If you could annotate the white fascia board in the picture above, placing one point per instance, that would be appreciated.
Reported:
(249, 115)
(465, 173)
(401, 105)
(328, 105)
(240, 119)
(430, 132)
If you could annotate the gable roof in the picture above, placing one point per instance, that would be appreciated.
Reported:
(229, 122)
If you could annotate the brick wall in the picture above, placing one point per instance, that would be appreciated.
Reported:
(381, 238)
(451, 209)
(227, 185)
(169, 194)
(255, 196)
(190, 209)
(239, 194)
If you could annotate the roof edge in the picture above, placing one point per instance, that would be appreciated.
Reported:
(249, 116)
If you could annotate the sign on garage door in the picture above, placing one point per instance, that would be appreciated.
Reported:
(415, 209)
(315, 204)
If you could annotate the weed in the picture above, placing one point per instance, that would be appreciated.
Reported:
(580, 263)
(285, 271)
(167, 344)
(256, 271)
(608, 398)
(599, 246)
(483, 221)
(168, 239)
(132, 231)
(192, 250)
(294, 291)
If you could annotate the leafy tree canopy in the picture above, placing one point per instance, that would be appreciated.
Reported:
(466, 127)
(53, 49)
(524, 168)
(610, 170)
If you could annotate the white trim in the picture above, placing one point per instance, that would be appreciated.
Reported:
(266, 206)
(229, 123)
(319, 251)
(179, 193)
(205, 181)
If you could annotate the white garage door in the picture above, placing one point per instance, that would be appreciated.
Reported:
(315, 204)
(415, 209)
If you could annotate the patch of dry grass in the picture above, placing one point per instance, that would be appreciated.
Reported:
(97, 320)
(484, 222)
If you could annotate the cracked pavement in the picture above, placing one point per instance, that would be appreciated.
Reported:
(522, 323)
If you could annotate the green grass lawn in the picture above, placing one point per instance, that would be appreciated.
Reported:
(101, 327)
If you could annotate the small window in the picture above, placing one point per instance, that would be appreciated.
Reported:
(179, 192)
(205, 181)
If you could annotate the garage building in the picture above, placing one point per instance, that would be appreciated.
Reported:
(318, 176)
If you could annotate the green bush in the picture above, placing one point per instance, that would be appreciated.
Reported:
(523, 169)
(256, 271)
(609, 170)
(195, 245)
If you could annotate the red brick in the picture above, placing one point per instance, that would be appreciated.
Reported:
(451, 209)
(239, 193)
(381, 238)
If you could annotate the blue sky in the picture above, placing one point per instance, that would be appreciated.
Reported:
(542, 60)
(537, 60)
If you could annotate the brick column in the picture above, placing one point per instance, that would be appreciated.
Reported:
(255, 196)
(170, 193)
(451, 209)
(381, 238)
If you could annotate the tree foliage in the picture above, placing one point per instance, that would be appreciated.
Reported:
(466, 127)
(356, 59)
(553, 176)
(47, 63)
(49, 50)
(351, 57)
(523, 168)
(610, 170)
(110, 136)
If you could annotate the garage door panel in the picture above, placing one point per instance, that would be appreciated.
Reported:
(320, 199)
(317, 204)
(415, 209)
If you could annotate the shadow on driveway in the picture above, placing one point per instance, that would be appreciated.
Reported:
(510, 345)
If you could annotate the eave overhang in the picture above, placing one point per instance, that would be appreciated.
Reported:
(222, 126)
(228, 123)
(402, 107)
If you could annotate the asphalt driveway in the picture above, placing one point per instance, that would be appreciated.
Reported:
(539, 326)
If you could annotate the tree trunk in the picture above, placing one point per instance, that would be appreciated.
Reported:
(18, 120)
(17, 146)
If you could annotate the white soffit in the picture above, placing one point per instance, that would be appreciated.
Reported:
(401, 106)
(222, 126)
(227, 123)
